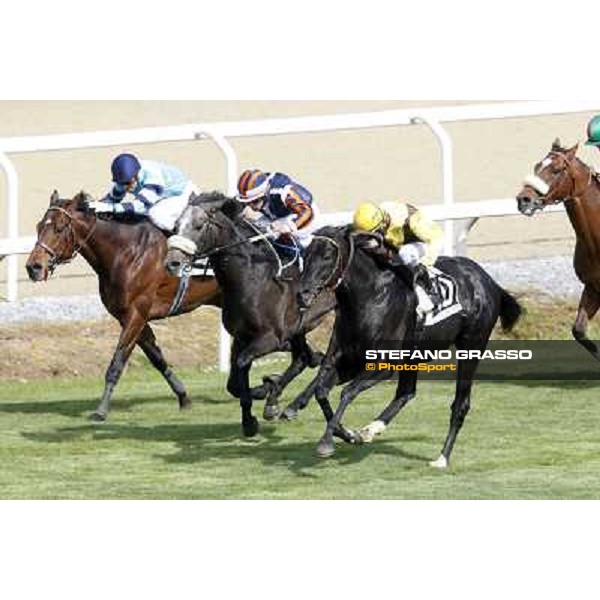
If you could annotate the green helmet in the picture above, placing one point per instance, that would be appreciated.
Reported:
(594, 132)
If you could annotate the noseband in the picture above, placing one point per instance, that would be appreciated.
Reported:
(55, 259)
(545, 189)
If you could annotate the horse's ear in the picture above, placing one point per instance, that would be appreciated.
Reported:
(571, 152)
(231, 208)
(55, 198)
(83, 196)
(556, 145)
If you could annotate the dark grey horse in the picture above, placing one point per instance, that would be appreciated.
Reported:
(260, 309)
(377, 304)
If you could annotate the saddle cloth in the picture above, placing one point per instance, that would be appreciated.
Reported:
(448, 292)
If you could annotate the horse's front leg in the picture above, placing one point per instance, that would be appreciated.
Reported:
(405, 392)
(364, 381)
(302, 356)
(130, 333)
(588, 307)
(242, 361)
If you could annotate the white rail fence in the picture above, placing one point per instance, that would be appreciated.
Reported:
(221, 132)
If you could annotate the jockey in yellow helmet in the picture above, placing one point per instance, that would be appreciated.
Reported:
(409, 231)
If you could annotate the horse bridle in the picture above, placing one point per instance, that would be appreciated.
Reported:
(55, 259)
(545, 190)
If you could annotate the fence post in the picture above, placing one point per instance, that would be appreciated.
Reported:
(445, 143)
(232, 170)
(12, 229)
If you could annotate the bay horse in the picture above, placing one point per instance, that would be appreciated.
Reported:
(134, 286)
(260, 308)
(376, 307)
(561, 177)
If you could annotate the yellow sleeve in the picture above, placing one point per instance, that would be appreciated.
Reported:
(430, 233)
(424, 228)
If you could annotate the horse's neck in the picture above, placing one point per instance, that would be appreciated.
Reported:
(584, 214)
(237, 267)
(98, 240)
(366, 282)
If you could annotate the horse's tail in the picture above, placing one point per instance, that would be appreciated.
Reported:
(510, 311)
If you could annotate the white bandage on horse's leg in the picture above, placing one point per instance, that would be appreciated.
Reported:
(440, 463)
(368, 433)
(537, 183)
(185, 245)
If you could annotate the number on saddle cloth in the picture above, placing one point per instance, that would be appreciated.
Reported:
(448, 303)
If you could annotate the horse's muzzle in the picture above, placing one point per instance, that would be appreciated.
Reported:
(36, 271)
(528, 205)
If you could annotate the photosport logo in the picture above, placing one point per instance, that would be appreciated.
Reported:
(500, 360)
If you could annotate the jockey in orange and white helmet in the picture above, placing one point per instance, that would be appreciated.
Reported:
(278, 203)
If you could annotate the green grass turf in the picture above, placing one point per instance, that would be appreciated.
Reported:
(527, 440)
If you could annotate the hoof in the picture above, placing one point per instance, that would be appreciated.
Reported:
(370, 432)
(271, 412)
(185, 403)
(325, 449)
(440, 463)
(288, 414)
(250, 428)
(98, 417)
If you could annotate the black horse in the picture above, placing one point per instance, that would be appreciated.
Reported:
(375, 304)
(260, 307)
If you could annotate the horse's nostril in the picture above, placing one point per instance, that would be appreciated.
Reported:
(34, 270)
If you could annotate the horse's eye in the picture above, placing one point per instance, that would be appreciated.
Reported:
(555, 170)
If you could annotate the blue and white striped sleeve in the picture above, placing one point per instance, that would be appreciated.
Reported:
(116, 194)
(142, 201)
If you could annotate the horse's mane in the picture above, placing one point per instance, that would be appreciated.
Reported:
(333, 230)
(217, 201)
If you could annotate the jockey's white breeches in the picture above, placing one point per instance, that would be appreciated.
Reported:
(165, 212)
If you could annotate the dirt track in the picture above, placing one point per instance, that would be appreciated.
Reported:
(75, 349)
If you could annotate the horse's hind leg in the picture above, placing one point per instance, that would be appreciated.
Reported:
(405, 392)
(147, 342)
(127, 340)
(459, 410)
(588, 307)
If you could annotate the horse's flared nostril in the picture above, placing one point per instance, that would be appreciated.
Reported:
(35, 271)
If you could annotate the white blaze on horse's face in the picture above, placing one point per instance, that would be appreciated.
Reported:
(535, 181)
(185, 221)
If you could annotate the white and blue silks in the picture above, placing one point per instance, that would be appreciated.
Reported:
(161, 193)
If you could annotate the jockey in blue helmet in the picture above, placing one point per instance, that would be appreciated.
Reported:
(279, 204)
(146, 188)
